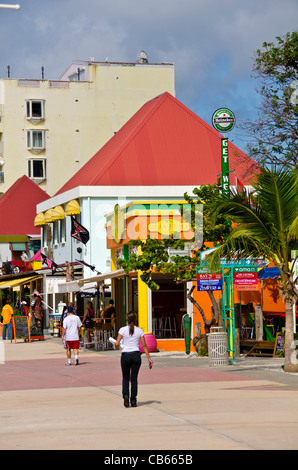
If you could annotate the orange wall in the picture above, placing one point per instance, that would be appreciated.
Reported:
(272, 301)
(173, 345)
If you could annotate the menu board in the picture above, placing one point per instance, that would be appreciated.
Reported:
(25, 328)
(36, 332)
(279, 344)
(21, 327)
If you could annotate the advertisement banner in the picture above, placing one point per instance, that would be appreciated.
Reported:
(210, 281)
(247, 280)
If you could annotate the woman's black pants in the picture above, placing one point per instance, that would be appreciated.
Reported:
(130, 365)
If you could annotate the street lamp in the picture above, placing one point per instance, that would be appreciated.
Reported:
(10, 7)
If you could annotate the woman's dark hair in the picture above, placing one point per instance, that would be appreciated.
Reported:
(131, 321)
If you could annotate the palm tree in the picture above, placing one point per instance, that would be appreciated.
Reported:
(266, 226)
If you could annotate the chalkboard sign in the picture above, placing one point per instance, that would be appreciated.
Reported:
(26, 328)
(36, 331)
(21, 327)
(279, 344)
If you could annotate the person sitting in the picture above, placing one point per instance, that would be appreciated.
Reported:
(108, 311)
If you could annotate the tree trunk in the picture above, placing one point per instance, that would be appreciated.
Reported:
(192, 300)
(215, 305)
(259, 322)
(291, 361)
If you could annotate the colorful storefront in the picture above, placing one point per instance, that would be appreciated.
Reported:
(160, 312)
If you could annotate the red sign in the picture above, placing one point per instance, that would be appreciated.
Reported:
(246, 281)
(209, 281)
(209, 276)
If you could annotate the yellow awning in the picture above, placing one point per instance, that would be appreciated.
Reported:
(58, 213)
(17, 282)
(73, 207)
(39, 220)
(48, 216)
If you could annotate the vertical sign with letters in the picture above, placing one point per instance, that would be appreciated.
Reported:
(225, 178)
(223, 120)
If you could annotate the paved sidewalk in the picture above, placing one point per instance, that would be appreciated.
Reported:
(183, 403)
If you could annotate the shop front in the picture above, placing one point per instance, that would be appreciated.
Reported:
(160, 312)
(20, 290)
(250, 306)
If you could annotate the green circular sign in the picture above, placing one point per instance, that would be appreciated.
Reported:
(223, 120)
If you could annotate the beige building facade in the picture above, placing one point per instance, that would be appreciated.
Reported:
(50, 128)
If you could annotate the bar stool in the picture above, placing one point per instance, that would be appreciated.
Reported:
(92, 342)
(108, 329)
(166, 326)
(155, 326)
(173, 319)
(182, 311)
(182, 329)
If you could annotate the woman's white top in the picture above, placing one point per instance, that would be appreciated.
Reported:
(129, 342)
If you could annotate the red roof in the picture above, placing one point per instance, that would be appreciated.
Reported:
(164, 143)
(18, 207)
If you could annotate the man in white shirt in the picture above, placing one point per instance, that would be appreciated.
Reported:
(71, 335)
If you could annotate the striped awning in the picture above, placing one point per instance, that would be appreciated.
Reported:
(39, 220)
(73, 207)
(58, 213)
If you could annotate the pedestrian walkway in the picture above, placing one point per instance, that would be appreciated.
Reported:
(183, 403)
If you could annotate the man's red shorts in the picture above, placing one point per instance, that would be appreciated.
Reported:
(73, 344)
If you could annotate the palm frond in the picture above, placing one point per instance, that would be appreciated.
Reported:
(277, 194)
(265, 226)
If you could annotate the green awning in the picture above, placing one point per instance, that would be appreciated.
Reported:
(18, 246)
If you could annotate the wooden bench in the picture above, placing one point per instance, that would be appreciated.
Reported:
(257, 347)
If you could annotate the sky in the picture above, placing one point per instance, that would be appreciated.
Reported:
(211, 42)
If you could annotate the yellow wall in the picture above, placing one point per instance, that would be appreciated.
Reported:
(142, 304)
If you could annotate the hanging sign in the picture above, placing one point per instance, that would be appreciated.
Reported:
(225, 175)
(245, 269)
(243, 263)
(245, 278)
(209, 281)
(223, 120)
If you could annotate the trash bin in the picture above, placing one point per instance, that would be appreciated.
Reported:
(187, 333)
(218, 348)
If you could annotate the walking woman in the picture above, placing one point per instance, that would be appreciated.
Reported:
(88, 320)
(131, 357)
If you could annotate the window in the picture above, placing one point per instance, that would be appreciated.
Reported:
(55, 232)
(35, 109)
(1, 172)
(186, 252)
(37, 169)
(35, 140)
(62, 231)
(44, 236)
